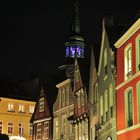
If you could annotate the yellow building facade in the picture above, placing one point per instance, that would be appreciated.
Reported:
(15, 115)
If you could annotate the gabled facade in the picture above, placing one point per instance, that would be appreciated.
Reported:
(128, 84)
(62, 109)
(93, 94)
(106, 127)
(80, 117)
(41, 119)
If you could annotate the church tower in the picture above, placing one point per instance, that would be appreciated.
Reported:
(74, 45)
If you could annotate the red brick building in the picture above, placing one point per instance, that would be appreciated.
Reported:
(128, 84)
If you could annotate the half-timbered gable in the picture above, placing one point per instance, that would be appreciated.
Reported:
(41, 119)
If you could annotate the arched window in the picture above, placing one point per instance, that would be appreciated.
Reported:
(137, 43)
(129, 107)
(128, 61)
(138, 100)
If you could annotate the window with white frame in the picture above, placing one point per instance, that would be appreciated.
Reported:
(41, 105)
(1, 127)
(38, 135)
(10, 107)
(46, 130)
(105, 61)
(31, 109)
(138, 100)
(21, 108)
(31, 129)
(137, 53)
(21, 129)
(129, 107)
(128, 61)
(10, 128)
(111, 99)
(101, 110)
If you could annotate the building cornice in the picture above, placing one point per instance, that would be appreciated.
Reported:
(134, 28)
(42, 120)
(63, 83)
(127, 81)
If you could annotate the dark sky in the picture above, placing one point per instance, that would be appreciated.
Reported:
(33, 33)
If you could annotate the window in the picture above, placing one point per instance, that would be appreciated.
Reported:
(101, 110)
(129, 108)
(41, 105)
(63, 125)
(105, 61)
(46, 130)
(31, 109)
(128, 61)
(71, 131)
(31, 129)
(63, 98)
(138, 100)
(96, 93)
(56, 127)
(106, 104)
(10, 127)
(111, 99)
(1, 126)
(38, 135)
(21, 108)
(10, 107)
(21, 129)
(138, 53)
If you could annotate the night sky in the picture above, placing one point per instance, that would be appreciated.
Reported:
(33, 33)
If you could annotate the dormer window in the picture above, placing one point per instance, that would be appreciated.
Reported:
(128, 61)
(21, 108)
(10, 107)
(41, 105)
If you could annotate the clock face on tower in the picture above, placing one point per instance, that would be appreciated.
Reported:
(109, 138)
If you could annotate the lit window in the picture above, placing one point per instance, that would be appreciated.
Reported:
(46, 130)
(38, 135)
(21, 108)
(96, 93)
(1, 126)
(56, 128)
(111, 99)
(129, 108)
(106, 104)
(10, 107)
(101, 110)
(10, 127)
(41, 105)
(63, 125)
(31, 109)
(63, 98)
(21, 129)
(138, 100)
(138, 53)
(31, 129)
(105, 61)
(128, 61)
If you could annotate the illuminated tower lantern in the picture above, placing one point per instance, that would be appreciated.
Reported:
(74, 45)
